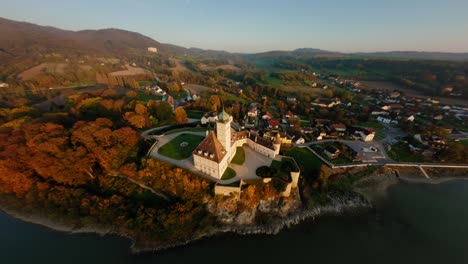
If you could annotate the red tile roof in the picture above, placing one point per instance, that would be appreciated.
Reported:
(210, 148)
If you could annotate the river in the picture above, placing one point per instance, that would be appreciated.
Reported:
(415, 223)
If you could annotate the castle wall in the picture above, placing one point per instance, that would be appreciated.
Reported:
(226, 190)
(207, 166)
(261, 149)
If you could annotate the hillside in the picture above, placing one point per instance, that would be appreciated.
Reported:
(26, 38)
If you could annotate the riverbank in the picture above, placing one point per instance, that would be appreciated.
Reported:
(337, 205)
(367, 189)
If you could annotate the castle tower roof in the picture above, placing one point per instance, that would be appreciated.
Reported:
(223, 116)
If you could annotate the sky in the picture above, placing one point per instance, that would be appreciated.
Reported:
(260, 25)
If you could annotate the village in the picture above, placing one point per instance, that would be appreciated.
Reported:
(364, 127)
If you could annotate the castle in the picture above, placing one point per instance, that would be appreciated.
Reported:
(216, 151)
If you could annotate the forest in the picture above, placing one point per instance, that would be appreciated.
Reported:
(72, 162)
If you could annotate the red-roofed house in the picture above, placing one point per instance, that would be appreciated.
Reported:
(273, 123)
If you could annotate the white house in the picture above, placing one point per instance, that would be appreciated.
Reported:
(152, 49)
(365, 134)
(384, 120)
(209, 117)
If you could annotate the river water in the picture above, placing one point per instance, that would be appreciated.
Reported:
(416, 223)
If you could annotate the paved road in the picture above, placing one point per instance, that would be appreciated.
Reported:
(147, 133)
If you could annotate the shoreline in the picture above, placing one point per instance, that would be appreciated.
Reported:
(337, 205)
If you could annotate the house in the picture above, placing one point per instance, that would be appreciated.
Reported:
(285, 138)
(394, 94)
(299, 141)
(307, 130)
(171, 101)
(291, 99)
(384, 120)
(340, 129)
(253, 112)
(365, 134)
(267, 116)
(273, 123)
(438, 117)
(152, 49)
(210, 117)
(3, 85)
(289, 114)
(195, 97)
(319, 135)
(384, 113)
(331, 152)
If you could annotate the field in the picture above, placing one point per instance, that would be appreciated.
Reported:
(174, 149)
(179, 65)
(195, 88)
(130, 71)
(231, 67)
(232, 97)
(384, 85)
(43, 67)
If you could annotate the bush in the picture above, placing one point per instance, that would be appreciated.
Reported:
(266, 172)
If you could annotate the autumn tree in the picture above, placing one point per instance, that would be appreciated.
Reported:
(180, 115)
(173, 87)
(215, 103)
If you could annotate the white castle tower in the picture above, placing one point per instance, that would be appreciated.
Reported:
(223, 129)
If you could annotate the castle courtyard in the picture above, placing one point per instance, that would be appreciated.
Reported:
(253, 160)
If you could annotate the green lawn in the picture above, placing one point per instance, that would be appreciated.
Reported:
(372, 123)
(187, 129)
(179, 95)
(194, 114)
(307, 161)
(228, 174)
(272, 80)
(239, 158)
(146, 97)
(402, 152)
(174, 150)
(232, 97)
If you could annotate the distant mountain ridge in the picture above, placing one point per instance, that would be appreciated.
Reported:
(424, 55)
(20, 39)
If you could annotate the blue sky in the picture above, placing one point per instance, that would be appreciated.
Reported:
(261, 25)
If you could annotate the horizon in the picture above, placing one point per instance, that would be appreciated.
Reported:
(346, 27)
